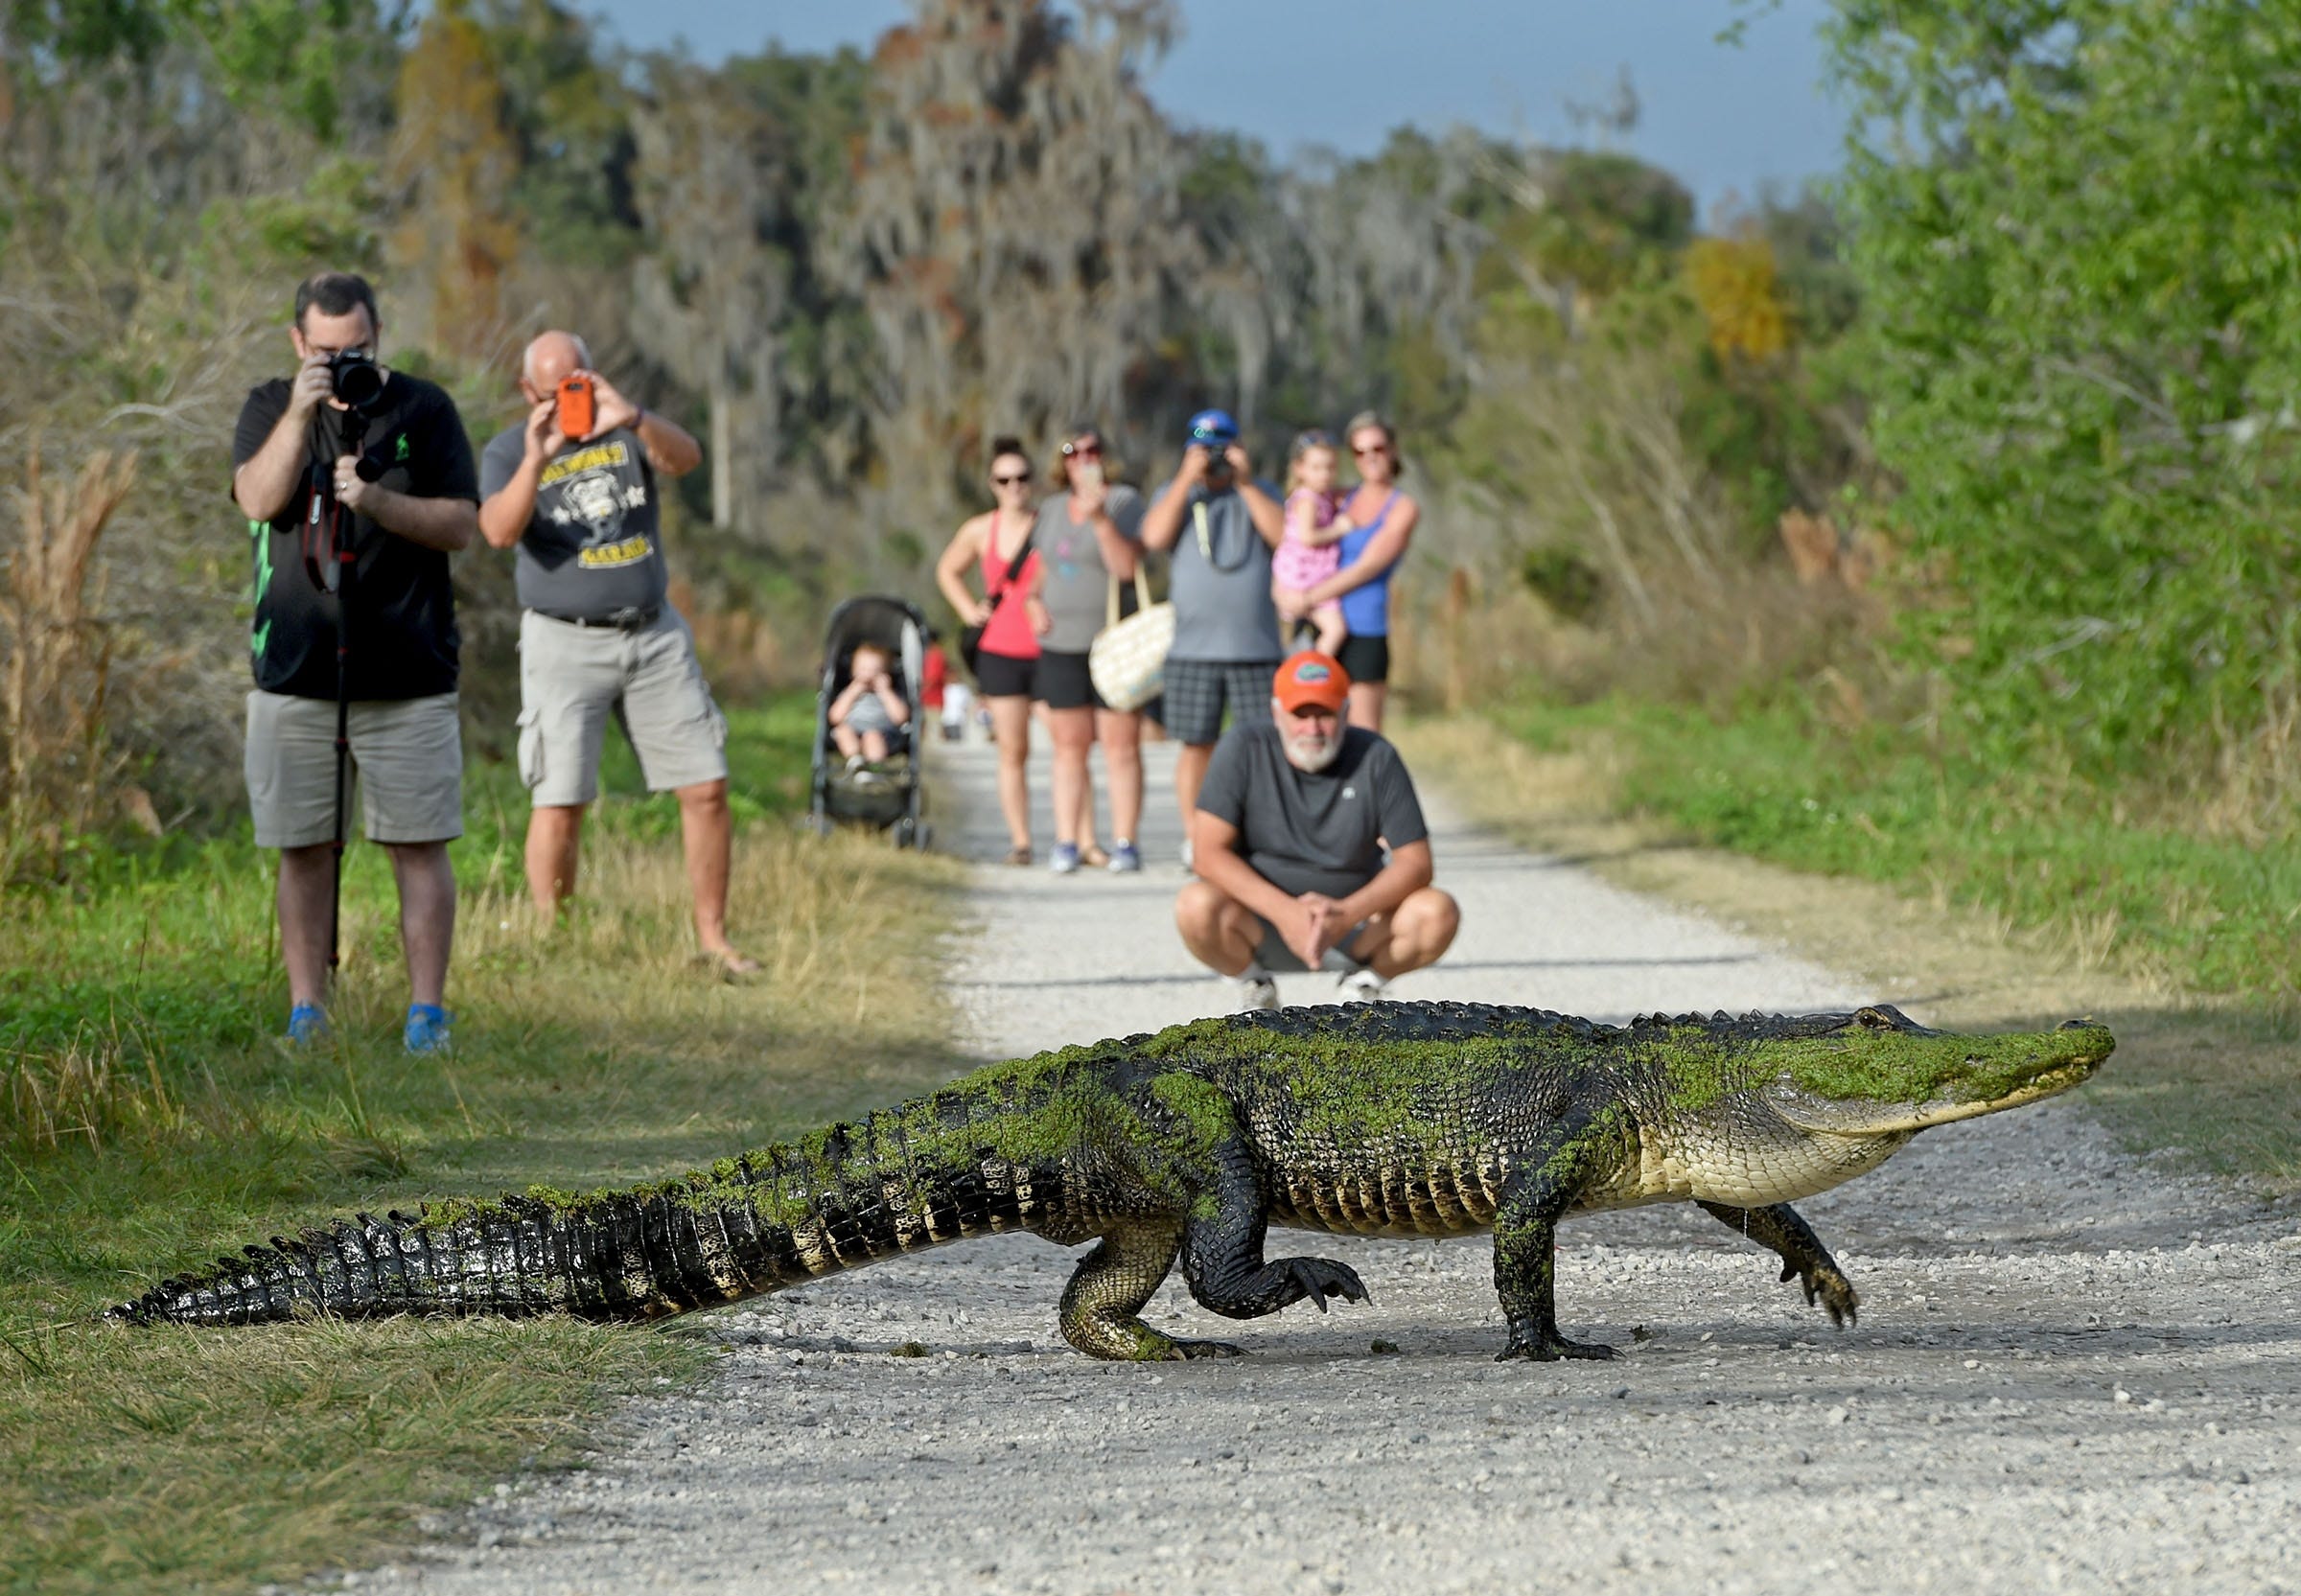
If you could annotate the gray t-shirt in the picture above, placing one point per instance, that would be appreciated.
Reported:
(1078, 585)
(592, 548)
(1305, 831)
(1222, 583)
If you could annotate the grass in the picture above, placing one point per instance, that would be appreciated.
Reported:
(151, 1119)
(1991, 905)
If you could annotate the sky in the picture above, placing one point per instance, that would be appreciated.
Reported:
(1342, 74)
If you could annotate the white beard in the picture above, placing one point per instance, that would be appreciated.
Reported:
(1311, 754)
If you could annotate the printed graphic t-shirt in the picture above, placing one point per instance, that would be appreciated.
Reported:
(1076, 591)
(1313, 831)
(591, 547)
(1220, 583)
(402, 633)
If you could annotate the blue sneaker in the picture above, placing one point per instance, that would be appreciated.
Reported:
(308, 1025)
(427, 1028)
(1126, 859)
(1066, 858)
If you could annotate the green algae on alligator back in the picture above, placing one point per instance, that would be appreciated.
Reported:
(1433, 1119)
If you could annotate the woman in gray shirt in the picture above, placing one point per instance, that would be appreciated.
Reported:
(1087, 538)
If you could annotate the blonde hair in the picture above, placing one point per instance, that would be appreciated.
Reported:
(1374, 419)
(886, 658)
(1060, 467)
(1317, 437)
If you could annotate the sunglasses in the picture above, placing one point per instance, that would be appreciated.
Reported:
(1016, 480)
(1072, 450)
(1378, 448)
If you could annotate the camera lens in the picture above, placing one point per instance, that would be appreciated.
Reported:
(356, 378)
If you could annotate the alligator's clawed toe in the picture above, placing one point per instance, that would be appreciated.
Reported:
(1186, 1349)
(1826, 1289)
(1549, 1349)
(1322, 1276)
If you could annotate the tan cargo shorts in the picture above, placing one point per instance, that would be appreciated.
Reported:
(573, 678)
(407, 769)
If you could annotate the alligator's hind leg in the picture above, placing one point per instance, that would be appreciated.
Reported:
(1102, 1308)
(1803, 1258)
(1222, 1240)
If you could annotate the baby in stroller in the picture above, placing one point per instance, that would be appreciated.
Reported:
(867, 711)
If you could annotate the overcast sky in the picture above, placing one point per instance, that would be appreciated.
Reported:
(1342, 72)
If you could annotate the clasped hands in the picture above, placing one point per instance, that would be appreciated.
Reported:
(1314, 923)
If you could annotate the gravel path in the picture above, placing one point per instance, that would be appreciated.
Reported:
(2072, 1371)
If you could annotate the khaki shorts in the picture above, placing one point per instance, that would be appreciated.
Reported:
(407, 760)
(573, 678)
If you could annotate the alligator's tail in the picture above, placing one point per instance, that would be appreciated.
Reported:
(897, 1182)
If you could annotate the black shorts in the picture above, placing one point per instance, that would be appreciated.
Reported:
(1366, 659)
(1198, 691)
(1003, 676)
(1061, 683)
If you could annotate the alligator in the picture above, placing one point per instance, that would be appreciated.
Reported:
(1379, 1119)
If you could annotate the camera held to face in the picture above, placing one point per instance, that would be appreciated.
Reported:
(355, 377)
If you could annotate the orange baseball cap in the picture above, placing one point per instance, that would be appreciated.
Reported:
(1310, 678)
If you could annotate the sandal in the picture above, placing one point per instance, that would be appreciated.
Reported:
(728, 964)
(1019, 854)
(1093, 857)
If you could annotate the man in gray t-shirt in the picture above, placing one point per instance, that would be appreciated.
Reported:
(597, 640)
(1221, 521)
(1310, 849)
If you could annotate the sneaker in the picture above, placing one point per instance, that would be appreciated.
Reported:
(1125, 860)
(1066, 860)
(1364, 986)
(427, 1028)
(855, 763)
(1256, 993)
(1186, 857)
(308, 1024)
(866, 777)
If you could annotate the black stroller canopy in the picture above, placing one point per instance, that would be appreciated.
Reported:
(873, 619)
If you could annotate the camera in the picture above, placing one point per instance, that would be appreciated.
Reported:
(355, 377)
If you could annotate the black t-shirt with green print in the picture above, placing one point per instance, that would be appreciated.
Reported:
(403, 641)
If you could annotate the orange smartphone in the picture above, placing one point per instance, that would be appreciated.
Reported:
(578, 407)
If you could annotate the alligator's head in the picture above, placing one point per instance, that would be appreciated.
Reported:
(1878, 1072)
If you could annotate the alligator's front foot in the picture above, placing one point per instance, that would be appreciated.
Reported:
(1826, 1285)
(1550, 1347)
(1193, 1350)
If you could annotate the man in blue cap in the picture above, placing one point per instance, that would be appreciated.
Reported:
(1221, 522)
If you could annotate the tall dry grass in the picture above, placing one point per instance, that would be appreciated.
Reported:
(59, 770)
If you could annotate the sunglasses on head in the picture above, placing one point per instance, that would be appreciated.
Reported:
(1011, 479)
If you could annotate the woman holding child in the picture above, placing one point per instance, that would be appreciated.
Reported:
(1379, 521)
(1012, 620)
(1088, 541)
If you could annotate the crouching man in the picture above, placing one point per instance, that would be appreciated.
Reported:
(1288, 838)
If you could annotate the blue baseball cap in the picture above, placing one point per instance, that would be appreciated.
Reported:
(1214, 428)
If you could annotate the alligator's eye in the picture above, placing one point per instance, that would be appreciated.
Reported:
(1873, 1019)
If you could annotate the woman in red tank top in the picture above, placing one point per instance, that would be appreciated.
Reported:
(997, 544)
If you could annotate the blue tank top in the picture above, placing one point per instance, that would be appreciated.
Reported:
(1366, 609)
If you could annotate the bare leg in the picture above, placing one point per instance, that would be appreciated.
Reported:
(1366, 702)
(1332, 632)
(427, 881)
(1411, 935)
(874, 745)
(1074, 734)
(707, 829)
(1122, 738)
(1220, 932)
(303, 901)
(847, 741)
(1190, 769)
(1011, 725)
(554, 841)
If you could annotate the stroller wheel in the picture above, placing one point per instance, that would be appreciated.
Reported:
(906, 833)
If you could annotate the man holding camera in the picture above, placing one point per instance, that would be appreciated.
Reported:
(572, 488)
(1221, 521)
(358, 482)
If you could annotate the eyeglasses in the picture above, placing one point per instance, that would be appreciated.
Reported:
(1014, 481)
(1074, 450)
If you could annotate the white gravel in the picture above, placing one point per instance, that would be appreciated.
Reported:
(2072, 1371)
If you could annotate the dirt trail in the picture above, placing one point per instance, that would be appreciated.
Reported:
(2071, 1369)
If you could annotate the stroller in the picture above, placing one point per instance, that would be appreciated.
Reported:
(894, 799)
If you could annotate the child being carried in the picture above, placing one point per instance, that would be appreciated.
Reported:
(1307, 554)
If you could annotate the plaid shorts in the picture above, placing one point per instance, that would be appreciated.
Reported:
(1199, 690)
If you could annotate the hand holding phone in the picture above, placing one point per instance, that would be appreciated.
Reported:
(578, 407)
